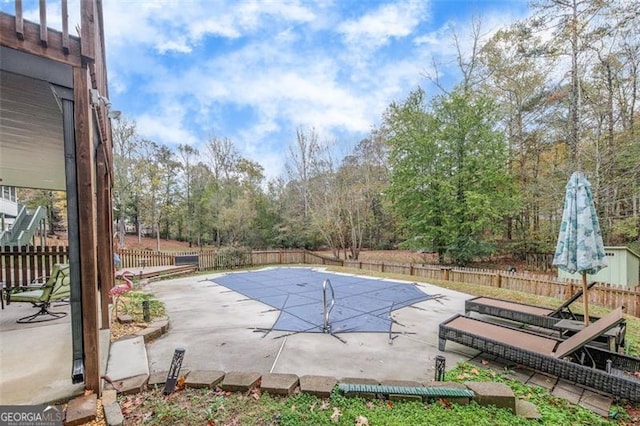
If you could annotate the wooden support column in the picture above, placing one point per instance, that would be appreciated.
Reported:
(85, 163)
(105, 234)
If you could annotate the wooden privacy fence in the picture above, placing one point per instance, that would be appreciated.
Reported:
(605, 295)
(225, 259)
(142, 258)
(21, 266)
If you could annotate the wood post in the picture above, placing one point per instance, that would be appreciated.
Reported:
(106, 265)
(445, 273)
(85, 161)
(497, 280)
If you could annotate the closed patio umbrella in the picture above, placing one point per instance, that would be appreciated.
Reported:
(580, 248)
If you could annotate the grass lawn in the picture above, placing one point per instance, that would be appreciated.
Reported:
(214, 407)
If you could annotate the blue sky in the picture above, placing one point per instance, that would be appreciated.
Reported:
(255, 71)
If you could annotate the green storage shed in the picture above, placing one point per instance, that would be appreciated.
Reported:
(623, 269)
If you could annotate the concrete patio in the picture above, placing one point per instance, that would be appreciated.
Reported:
(222, 330)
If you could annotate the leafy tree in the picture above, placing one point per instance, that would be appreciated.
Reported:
(449, 183)
(517, 78)
(127, 180)
(303, 166)
(188, 156)
(54, 201)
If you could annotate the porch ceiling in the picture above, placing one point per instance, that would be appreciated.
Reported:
(31, 134)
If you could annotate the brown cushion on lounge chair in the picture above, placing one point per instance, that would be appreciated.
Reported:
(508, 336)
(589, 333)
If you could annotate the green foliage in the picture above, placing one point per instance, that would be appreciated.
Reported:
(54, 201)
(194, 406)
(231, 257)
(131, 303)
(554, 410)
(624, 231)
(449, 183)
(520, 249)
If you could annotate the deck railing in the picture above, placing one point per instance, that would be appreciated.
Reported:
(37, 37)
(20, 266)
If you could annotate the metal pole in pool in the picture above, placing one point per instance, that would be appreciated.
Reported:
(326, 327)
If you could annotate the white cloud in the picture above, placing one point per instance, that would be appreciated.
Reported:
(395, 20)
(267, 73)
(179, 26)
(165, 128)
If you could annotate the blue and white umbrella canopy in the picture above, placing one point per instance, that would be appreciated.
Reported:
(580, 247)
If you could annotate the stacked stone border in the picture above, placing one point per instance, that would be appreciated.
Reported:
(485, 394)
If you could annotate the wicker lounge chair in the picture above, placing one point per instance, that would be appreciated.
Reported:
(56, 288)
(569, 359)
(528, 314)
(536, 315)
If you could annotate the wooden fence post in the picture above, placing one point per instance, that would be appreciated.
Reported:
(497, 279)
(445, 273)
(569, 291)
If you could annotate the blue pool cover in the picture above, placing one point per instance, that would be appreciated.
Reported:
(361, 304)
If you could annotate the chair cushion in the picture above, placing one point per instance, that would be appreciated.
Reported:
(27, 296)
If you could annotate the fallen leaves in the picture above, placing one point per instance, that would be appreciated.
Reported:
(335, 417)
(131, 404)
(469, 374)
(181, 383)
(255, 393)
(445, 403)
(362, 421)
(119, 330)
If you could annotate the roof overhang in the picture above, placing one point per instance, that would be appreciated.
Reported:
(31, 121)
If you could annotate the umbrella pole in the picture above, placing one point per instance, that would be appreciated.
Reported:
(585, 298)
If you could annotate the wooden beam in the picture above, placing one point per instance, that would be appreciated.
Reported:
(30, 42)
(105, 234)
(84, 132)
(44, 35)
(88, 31)
(19, 21)
(65, 27)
